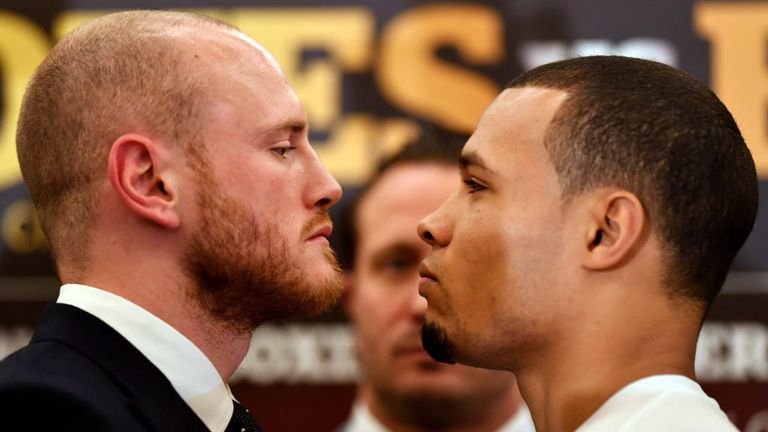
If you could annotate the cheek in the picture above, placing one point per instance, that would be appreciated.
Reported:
(368, 328)
(486, 254)
(478, 275)
(375, 310)
(493, 262)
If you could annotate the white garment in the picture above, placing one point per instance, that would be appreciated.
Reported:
(190, 372)
(659, 403)
(362, 420)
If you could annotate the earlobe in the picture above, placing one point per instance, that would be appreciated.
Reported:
(617, 223)
(134, 174)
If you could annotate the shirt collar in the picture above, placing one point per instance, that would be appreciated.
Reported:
(634, 396)
(362, 420)
(190, 372)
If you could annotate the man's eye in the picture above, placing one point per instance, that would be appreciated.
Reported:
(473, 186)
(283, 151)
(397, 264)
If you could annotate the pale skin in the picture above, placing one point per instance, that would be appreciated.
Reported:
(574, 317)
(387, 311)
(256, 137)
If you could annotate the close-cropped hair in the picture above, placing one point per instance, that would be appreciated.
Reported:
(120, 73)
(661, 134)
(434, 146)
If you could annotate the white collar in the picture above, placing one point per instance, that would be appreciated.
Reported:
(633, 399)
(190, 372)
(362, 420)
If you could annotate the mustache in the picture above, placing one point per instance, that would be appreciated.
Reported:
(321, 218)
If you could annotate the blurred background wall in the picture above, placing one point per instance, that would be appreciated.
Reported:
(373, 75)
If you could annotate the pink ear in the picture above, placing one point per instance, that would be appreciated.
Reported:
(134, 176)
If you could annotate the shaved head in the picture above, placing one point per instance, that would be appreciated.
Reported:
(127, 72)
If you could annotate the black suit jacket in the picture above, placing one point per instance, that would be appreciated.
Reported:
(79, 374)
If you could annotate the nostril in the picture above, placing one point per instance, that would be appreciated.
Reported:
(428, 235)
(325, 202)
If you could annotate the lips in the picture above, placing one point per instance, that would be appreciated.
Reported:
(413, 354)
(410, 349)
(323, 231)
(428, 278)
(318, 227)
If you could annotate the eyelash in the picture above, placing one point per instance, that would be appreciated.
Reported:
(473, 186)
(283, 151)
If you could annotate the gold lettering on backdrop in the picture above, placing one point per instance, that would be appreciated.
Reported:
(360, 141)
(345, 38)
(413, 78)
(737, 33)
(344, 34)
(22, 47)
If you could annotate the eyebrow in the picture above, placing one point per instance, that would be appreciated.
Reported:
(295, 125)
(401, 248)
(472, 158)
(290, 125)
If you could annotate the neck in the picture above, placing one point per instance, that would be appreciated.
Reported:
(566, 385)
(417, 413)
(155, 280)
(173, 302)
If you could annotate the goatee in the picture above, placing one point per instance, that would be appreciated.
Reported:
(436, 343)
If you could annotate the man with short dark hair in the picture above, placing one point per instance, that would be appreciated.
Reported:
(169, 163)
(604, 199)
(401, 387)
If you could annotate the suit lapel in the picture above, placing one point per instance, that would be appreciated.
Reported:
(150, 391)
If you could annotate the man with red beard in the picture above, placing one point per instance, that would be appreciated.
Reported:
(169, 162)
(401, 387)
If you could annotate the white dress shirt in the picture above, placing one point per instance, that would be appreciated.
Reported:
(190, 372)
(362, 420)
(659, 403)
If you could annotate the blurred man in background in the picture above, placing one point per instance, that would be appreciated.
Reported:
(169, 163)
(402, 388)
(604, 199)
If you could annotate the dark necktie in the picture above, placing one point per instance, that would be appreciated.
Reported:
(242, 421)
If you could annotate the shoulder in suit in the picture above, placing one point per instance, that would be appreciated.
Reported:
(78, 373)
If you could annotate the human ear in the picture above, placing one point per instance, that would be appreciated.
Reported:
(615, 231)
(134, 167)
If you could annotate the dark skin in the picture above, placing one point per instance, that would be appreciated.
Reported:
(513, 268)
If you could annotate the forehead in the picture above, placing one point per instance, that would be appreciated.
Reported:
(241, 78)
(512, 129)
(407, 192)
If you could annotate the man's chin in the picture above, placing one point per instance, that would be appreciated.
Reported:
(325, 292)
(436, 343)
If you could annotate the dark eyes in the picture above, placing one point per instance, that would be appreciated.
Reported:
(398, 263)
(473, 186)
